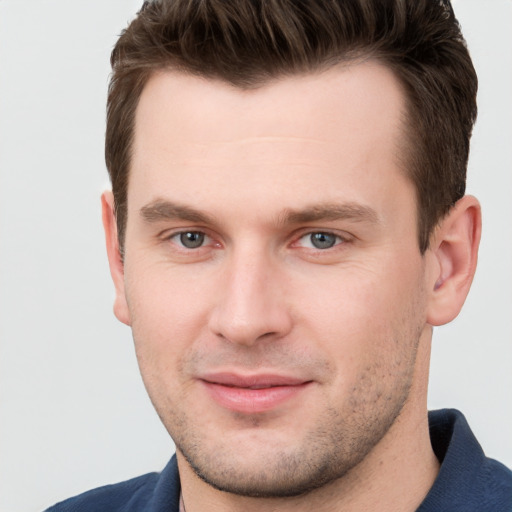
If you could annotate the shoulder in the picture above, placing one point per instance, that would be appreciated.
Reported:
(497, 482)
(124, 496)
(468, 480)
(147, 493)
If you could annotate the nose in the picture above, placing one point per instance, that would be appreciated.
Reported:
(252, 303)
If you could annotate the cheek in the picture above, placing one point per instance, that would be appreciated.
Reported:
(168, 317)
(361, 313)
(353, 300)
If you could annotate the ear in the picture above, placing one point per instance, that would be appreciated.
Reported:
(115, 260)
(454, 247)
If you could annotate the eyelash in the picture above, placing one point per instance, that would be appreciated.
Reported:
(338, 239)
(176, 236)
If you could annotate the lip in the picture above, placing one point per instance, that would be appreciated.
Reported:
(252, 393)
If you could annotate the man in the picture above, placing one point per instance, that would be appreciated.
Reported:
(287, 224)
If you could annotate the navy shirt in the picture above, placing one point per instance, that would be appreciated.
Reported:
(467, 482)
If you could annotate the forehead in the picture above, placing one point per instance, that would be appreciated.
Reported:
(341, 127)
(354, 91)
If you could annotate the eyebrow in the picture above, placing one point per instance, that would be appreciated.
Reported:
(162, 210)
(330, 212)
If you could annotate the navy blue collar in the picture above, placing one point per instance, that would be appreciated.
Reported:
(467, 480)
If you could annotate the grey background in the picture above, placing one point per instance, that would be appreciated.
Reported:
(73, 410)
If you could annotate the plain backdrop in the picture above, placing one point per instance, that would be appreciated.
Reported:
(74, 413)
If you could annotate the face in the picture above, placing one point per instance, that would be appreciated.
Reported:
(272, 275)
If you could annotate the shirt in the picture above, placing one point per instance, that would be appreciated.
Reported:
(468, 481)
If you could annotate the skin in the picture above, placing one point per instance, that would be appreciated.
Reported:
(259, 172)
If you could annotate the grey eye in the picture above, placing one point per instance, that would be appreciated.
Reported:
(323, 240)
(192, 239)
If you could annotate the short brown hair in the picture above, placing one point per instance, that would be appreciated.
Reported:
(248, 42)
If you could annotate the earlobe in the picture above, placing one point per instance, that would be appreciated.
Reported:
(454, 247)
(114, 256)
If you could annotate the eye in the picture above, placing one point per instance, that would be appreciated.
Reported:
(190, 239)
(320, 240)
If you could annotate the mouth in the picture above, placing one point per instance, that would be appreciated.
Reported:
(254, 393)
